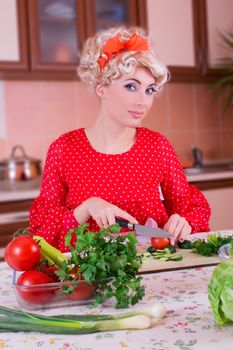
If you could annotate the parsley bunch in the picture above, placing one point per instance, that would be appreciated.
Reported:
(110, 261)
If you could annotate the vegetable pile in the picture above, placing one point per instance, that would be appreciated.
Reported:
(110, 259)
(161, 249)
(18, 321)
(220, 291)
(102, 265)
(211, 246)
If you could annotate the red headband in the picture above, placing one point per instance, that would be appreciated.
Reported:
(113, 46)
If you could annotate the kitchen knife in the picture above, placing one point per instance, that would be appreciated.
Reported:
(143, 230)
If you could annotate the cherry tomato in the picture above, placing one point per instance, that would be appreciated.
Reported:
(35, 294)
(160, 243)
(22, 253)
(82, 292)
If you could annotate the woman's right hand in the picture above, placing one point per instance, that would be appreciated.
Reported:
(103, 212)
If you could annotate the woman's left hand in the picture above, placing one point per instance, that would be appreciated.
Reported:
(179, 227)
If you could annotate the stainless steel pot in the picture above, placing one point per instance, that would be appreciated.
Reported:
(19, 169)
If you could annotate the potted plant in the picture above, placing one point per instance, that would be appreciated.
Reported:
(224, 85)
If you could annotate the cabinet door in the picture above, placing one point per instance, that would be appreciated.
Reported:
(219, 15)
(220, 201)
(13, 35)
(57, 34)
(174, 29)
(58, 29)
(104, 14)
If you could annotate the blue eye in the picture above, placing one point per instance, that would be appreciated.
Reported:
(150, 91)
(130, 87)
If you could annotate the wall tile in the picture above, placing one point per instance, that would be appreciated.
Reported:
(209, 141)
(157, 118)
(58, 107)
(227, 119)
(23, 108)
(182, 142)
(38, 112)
(181, 106)
(227, 145)
(86, 105)
(2, 149)
(207, 108)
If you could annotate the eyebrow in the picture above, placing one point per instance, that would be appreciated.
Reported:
(138, 81)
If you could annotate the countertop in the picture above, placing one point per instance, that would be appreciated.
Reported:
(211, 175)
(188, 325)
(8, 196)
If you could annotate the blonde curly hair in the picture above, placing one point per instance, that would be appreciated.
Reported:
(122, 63)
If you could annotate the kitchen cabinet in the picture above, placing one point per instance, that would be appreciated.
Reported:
(219, 194)
(47, 35)
(220, 201)
(185, 35)
(13, 216)
(13, 36)
(57, 30)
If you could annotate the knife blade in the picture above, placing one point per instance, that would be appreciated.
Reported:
(143, 230)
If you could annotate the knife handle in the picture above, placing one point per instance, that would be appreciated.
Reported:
(124, 223)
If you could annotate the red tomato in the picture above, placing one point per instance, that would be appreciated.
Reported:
(49, 271)
(160, 243)
(82, 292)
(34, 295)
(22, 253)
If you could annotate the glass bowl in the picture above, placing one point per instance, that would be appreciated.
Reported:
(51, 295)
(224, 252)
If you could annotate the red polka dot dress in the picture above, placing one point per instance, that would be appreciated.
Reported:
(74, 172)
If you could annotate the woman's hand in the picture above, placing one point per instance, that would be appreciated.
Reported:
(179, 227)
(103, 212)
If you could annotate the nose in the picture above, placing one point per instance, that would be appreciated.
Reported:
(143, 100)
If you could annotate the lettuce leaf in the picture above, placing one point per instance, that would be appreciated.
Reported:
(220, 292)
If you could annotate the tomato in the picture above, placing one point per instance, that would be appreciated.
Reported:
(49, 271)
(22, 253)
(82, 292)
(160, 243)
(35, 294)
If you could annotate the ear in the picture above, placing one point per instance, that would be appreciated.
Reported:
(100, 90)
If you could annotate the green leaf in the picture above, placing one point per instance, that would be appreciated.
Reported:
(101, 256)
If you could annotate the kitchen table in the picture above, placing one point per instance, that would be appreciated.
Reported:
(188, 325)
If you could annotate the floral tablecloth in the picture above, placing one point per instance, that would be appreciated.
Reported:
(188, 325)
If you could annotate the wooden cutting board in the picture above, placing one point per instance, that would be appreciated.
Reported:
(190, 259)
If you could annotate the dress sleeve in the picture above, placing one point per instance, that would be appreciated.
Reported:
(49, 215)
(181, 197)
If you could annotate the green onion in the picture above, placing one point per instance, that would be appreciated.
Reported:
(20, 321)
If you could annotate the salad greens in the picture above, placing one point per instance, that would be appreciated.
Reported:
(220, 292)
(211, 246)
(110, 259)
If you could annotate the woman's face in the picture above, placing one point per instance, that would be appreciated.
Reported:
(128, 99)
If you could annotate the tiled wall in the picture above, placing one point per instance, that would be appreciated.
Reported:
(38, 112)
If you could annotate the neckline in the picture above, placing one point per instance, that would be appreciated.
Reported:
(112, 154)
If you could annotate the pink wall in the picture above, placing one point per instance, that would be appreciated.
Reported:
(38, 112)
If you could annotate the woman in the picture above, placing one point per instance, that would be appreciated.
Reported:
(114, 168)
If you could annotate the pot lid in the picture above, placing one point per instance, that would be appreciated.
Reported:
(18, 158)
